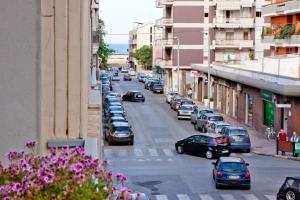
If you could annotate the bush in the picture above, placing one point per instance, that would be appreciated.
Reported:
(63, 174)
(205, 97)
(287, 31)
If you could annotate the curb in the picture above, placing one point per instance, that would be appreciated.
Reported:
(262, 154)
(277, 156)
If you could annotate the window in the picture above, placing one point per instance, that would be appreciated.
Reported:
(205, 14)
(203, 139)
(258, 14)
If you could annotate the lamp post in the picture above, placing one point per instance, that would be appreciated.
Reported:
(208, 71)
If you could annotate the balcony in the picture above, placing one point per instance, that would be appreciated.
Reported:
(282, 35)
(219, 43)
(221, 22)
(167, 42)
(166, 63)
(162, 3)
(284, 8)
(167, 21)
(233, 4)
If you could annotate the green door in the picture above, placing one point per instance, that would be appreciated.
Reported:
(269, 113)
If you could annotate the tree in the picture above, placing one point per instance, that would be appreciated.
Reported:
(103, 51)
(144, 56)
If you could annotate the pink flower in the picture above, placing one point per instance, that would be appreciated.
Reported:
(49, 178)
(77, 167)
(31, 144)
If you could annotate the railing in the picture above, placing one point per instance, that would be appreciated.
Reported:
(160, 3)
(166, 21)
(167, 62)
(241, 21)
(237, 43)
(281, 31)
(167, 41)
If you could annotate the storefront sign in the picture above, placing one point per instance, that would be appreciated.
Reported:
(266, 95)
(283, 105)
(297, 147)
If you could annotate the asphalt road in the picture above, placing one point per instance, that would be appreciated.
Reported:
(153, 166)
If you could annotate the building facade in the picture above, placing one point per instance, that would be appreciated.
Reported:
(46, 59)
(263, 92)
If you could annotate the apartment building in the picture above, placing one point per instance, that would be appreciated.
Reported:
(95, 25)
(261, 92)
(45, 74)
(142, 34)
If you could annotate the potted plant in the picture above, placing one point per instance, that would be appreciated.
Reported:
(206, 100)
(211, 103)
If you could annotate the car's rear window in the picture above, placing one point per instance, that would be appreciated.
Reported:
(186, 108)
(116, 108)
(216, 118)
(138, 94)
(233, 167)
(238, 132)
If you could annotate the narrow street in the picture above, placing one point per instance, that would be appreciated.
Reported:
(153, 166)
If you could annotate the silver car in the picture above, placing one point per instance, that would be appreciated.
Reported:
(204, 121)
(170, 95)
(197, 112)
(185, 112)
(216, 127)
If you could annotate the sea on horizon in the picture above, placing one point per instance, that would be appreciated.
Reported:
(119, 48)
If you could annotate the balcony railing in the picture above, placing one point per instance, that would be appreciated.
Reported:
(167, 21)
(161, 3)
(166, 62)
(242, 22)
(219, 43)
(167, 42)
(280, 8)
(232, 4)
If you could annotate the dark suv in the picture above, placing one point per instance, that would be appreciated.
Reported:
(238, 138)
(157, 88)
(290, 189)
(133, 96)
(208, 145)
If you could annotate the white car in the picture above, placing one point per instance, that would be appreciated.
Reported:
(170, 95)
(115, 78)
(132, 73)
(185, 111)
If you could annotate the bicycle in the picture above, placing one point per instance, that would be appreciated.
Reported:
(270, 133)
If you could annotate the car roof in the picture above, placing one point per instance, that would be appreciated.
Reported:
(221, 123)
(115, 106)
(134, 91)
(186, 105)
(212, 114)
(117, 117)
(232, 159)
(119, 124)
(236, 127)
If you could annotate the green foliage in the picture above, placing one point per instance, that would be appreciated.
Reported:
(287, 31)
(144, 56)
(205, 97)
(104, 51)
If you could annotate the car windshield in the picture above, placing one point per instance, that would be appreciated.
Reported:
(157, 85)
(239, 132)
(121, 129)
(186, 108)
(233, 167)
(215, 118)
(119, 120)
(116, 108)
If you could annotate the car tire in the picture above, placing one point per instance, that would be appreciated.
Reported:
(143, 100)
(180, 150)
(248, 187)
(218, 186)
(248, 150)
(209, 155)
(290, 195)
(131, 143)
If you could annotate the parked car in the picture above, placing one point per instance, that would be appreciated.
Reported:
(115, 103)
(111, 120)
(120, 132)
(290, 189)
(175, 102)
(157, 88)
(207, 145)
(170, 95)
(185, 111)
(216, 127)
(186, 102)
(114, 114)
(127, 77)
(197, 112)
(231, 171)
(152, 83)
(140, 77)
(205, 120)
(110, 99)
(116, 109)
(114, 94)
(238, 138)
(132, 73)
(133, 96)
(115, 77)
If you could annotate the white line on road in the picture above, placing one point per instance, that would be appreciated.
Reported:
(153, 152)
(250, 197)
(168, 152)
(183, 197)
(271, 197)
(227, 196)
(138, 152)
(107, 153)
(205, 197)
(161, 197)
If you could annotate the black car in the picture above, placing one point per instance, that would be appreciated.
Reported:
(119, 132)
(208, 145)
(290, 189)
(237, 137)
(127, 77)
(157, 88)
(133, 96)
(231, 171)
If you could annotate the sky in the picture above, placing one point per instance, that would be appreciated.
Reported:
(119, 17)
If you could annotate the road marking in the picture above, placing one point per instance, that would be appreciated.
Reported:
(168, 152)
(250, 197)
(227, 196)
(153, 152)
(108, 153)
(183, 197)
(161, 197)
(138, 152)
(270, 197)
(205, 197)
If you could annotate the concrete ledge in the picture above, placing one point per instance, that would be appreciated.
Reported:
(61, 143)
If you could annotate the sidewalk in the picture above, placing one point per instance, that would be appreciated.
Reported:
(260, 145)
